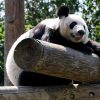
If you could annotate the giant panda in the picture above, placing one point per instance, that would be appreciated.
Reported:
(69, 30)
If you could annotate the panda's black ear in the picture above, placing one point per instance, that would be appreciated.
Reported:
(63, 11)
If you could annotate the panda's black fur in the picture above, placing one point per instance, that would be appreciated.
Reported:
(53, 35)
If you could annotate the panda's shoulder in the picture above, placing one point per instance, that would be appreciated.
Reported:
(52, 23)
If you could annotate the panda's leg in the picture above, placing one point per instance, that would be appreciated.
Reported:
(36, 79)
(38, 31)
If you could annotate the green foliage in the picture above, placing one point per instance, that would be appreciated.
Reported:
(91, 13)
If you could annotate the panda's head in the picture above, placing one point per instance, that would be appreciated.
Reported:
(72, 27)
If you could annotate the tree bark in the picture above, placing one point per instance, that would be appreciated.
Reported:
(14, 25)
(56, 60)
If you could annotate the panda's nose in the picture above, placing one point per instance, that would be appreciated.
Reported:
(81, 32)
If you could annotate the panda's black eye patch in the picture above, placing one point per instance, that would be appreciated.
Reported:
(72, 25)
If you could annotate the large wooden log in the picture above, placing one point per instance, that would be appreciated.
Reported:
(56, 60)
(85, 92)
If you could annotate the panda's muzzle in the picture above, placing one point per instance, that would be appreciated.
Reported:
(78, 31)
(81, 32)
(78, 36)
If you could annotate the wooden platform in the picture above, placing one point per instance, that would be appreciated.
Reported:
(83, 92)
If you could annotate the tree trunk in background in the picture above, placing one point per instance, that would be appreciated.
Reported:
(14, 26)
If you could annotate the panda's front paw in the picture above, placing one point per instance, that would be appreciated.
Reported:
(97, 51)
(88, 51)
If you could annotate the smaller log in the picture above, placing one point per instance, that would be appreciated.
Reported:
(56, 60)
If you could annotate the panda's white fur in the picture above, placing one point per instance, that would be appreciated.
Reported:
(51, 23)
